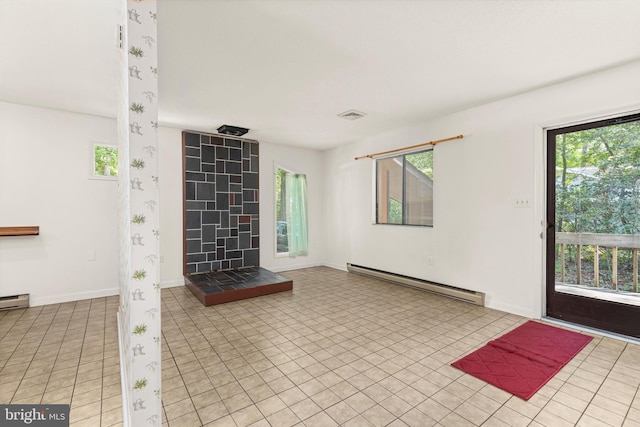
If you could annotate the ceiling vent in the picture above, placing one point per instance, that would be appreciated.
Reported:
(352, 115)
(232, 130)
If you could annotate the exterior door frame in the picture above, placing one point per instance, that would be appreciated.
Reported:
(600, 314)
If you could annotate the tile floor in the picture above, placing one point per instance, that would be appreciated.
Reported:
(340, 349)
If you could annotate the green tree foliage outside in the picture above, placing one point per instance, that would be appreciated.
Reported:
(423, 161)
(395, 212)
(282, 238)
(280, 194)
(106, 160)
(598, 190)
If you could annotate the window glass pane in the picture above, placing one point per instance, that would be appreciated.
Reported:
(395, 211)
(597, 196)
(422, 161)
(418, 205)
(405, 189)
(389, 187)
(105, 160)
(282, 240)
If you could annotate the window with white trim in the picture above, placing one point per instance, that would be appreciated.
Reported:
(291, 213)
(404, 189)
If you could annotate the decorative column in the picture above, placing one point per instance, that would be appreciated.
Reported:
(139, 314)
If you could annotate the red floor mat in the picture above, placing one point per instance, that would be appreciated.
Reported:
(523, 360)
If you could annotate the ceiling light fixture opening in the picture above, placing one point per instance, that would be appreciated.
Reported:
(232, 130)
(352, 115)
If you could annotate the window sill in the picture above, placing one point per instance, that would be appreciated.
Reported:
(404, 225)
(286, 255)
(103, 178)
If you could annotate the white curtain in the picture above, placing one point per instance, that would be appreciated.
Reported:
(296, 213)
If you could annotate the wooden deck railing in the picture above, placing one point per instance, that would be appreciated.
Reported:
(613, 241)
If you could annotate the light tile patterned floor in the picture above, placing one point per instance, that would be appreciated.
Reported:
(340, 349)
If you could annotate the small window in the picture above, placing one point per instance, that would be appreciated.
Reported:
(405, 189)
(105, 161)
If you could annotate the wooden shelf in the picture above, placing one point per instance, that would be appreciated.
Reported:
(33, 230)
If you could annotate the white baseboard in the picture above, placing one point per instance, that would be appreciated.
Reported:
(292, 267)
(34, 300)
(77, 296)
(172, 283)
(511, 309)
(336, 266)
(308, 265)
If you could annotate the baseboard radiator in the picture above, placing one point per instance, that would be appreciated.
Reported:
(473, 297)
(14, 301)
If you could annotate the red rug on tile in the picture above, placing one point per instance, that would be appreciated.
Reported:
(525, 359)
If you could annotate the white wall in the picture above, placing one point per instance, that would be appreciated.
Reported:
(45, 164)
(480, 241)
(171, 227)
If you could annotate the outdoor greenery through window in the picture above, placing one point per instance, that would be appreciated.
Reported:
(105, 160)
(598, 204)
(291, 213)
(282, 240)
(404, 187)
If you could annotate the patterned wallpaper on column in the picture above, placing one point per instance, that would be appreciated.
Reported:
(140, 294)
(124, 225)
(221, 202)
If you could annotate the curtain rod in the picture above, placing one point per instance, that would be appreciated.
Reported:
(437, 141)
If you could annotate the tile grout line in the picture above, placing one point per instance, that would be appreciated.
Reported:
(331, 322)
(595, 393)
(471, 310)
(35, 352)
(180, 373)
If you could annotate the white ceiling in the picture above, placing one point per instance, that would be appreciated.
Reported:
(286, 68)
